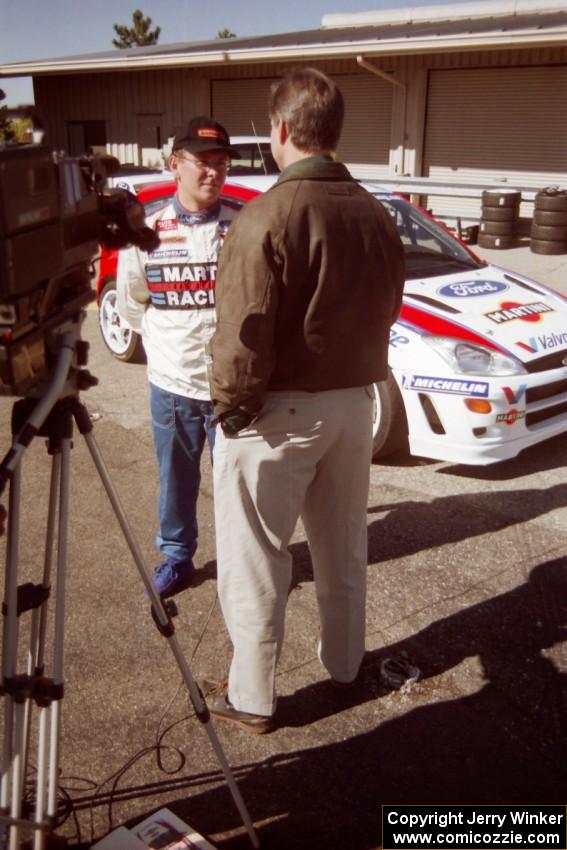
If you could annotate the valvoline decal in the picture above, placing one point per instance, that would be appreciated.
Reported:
(472, 288)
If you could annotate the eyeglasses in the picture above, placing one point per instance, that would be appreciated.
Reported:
(206, 164)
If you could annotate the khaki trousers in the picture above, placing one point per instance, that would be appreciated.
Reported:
(307, 455)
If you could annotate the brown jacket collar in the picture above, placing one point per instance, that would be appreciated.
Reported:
(318, 167)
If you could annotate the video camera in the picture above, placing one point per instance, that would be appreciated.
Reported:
(54, 214)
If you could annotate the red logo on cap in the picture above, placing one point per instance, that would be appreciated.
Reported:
(211, 134)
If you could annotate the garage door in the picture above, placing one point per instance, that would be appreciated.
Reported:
(491, 124)
(242, 105)
(365, 141)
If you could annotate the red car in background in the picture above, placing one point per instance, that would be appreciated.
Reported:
(120, 339)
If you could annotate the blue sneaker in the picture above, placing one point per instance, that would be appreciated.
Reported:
(173, 576)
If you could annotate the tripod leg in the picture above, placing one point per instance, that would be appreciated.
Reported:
(37, 653)
(56, 690)
(23, 690)
(40, 636)
(37, 648)
(9, 647)
(42, 772)
(163, 621)
(18, 772)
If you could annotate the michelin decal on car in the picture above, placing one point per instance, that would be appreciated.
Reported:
(453, 386)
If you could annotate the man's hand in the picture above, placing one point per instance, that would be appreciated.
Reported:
(235, 420)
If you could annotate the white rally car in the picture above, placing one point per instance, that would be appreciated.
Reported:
(478, 357)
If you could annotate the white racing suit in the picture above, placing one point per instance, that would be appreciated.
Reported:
(168, 297)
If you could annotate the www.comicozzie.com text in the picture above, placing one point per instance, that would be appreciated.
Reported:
(502, 827)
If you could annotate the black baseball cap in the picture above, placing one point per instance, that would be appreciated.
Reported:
(203, 134)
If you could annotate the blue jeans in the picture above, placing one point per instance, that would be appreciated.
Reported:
(180, 427)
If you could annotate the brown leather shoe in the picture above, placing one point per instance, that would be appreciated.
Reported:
(344, 686)
(216, 697)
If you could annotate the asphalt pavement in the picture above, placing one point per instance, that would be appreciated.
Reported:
(467, 583)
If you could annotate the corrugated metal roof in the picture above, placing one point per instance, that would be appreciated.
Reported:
(552, 24)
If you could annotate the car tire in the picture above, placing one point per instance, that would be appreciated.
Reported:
(501, 199)
(124, 343)
(390, 427)
(550, 218)
(549, 233)
(551, 200)
(499, 228)
(499, 214)
(545, 246)
(497, 242)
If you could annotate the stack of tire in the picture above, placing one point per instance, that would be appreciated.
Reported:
(549, 225)
(499, 218)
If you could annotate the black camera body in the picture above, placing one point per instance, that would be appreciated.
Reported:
(54, 214)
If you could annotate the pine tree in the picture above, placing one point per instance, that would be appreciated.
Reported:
(226, 33)
(139, 34)
(5, 124)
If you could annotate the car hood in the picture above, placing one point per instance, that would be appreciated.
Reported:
(504, 309)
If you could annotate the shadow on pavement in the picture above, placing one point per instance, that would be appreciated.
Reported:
(413, 526)
(504, 743)
(550, 455)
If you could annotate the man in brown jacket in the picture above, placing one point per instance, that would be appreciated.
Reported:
(309, 282)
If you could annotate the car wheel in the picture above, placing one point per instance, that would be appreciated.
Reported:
(390, 428)
(124, 343)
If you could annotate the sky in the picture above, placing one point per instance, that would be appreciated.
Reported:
(41, 29)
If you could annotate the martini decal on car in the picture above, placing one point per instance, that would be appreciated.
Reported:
(511, 416)
(510, 310)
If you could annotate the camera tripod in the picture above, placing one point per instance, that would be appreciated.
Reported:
(52, 413)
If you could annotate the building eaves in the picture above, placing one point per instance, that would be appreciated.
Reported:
(537, 29)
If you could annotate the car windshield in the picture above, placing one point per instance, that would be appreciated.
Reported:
(429, 249)
(255, 158)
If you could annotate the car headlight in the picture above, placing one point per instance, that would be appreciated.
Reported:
(471, 358)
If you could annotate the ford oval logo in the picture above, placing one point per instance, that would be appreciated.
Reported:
(472, 288)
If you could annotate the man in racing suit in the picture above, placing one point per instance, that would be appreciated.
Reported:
(168, 296)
